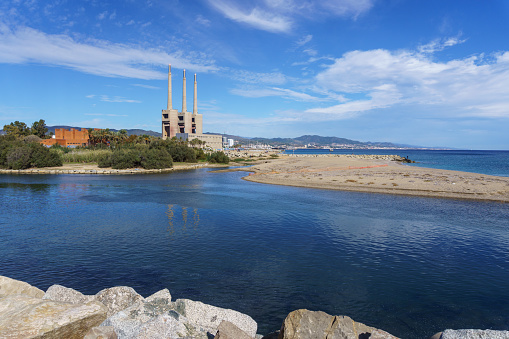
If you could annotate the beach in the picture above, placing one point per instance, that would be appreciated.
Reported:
(376, 174)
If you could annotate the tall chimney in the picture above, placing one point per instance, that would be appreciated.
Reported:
(169, 88)
(195, 100)
(184, 108)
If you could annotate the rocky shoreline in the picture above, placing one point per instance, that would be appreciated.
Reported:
(94, 169)
(120, 312)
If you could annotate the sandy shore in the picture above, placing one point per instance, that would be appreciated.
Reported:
(362, 174)
(94, 169)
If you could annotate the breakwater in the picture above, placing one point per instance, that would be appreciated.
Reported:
(121, 313)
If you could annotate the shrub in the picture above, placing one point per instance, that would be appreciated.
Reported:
(125, 158)
(43, 157)
(104, 160)
(19, 157)
(32, 155)
(200, 155)
(218, 157)
(31, 139)
(156, 158)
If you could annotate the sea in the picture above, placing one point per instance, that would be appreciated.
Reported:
(412, 266)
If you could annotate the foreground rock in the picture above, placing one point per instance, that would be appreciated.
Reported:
(10, 286)
(22, 316)
(120, 312)
(304, 324)
(210, 317)
(474, 334)
(227, 330)
(157, 316)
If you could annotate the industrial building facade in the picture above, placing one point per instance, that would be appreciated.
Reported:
(184, 124)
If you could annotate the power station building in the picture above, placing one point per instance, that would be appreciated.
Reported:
(186, 125)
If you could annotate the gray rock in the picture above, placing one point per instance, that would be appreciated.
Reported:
(227, 330)
(101, 332)
(26, 317)
(436, 335)
(209, 317)
(304, 324)
(475, 334)
(118, 298)
(65, 294)
(128, 322)
(10, 286)
(168, 326)
(162, 296)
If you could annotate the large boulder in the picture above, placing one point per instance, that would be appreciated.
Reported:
(66, 294)
(101, 332)
(26, 317)
(170, 325)
(227, 330)
(118, 298)
(474, 334)
(305, 324)
(128, 322)
(209, 317)
(10, 286)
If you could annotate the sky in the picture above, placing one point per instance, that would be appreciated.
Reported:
(428, 73)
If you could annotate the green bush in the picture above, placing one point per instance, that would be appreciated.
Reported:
(104, 160)
(31, 155)
(136, 157)
(19, 158)
(43, 157)
(218, 157)
(200, 155)
(156, 158)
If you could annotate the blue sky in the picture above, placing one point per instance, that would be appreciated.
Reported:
(432, 73)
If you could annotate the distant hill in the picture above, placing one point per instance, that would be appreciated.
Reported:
(318, 141)
(129, 131)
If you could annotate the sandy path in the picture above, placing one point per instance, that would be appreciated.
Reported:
(379, 176)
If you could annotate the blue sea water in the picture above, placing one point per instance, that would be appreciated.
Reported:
(485, 162)
(412, 266)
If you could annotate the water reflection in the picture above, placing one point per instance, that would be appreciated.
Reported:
(170, 214)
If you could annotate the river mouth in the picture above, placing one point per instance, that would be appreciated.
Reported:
(411, 266)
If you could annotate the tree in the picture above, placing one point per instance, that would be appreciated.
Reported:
(39, 128)
(18, 129)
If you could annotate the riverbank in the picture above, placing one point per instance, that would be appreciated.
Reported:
(377, 174)
(95, 169)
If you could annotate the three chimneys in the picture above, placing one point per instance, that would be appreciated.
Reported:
(184, 106)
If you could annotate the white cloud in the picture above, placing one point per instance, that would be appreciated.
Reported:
(304, 40)
(274, 78)
(279, 16)
(275, 91)
(202, 21)
(256, 17)
(440, 44)
(107, 98)
(99, 57)
(461, 87)
(146, 86)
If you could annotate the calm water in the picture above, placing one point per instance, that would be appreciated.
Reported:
(485, 162)
(411, 266)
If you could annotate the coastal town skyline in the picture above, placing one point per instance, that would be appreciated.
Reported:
(431, 73)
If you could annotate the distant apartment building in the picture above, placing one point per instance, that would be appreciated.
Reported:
(186, 125)
(68, 138)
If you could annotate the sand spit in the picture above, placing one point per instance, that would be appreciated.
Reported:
(377, 174)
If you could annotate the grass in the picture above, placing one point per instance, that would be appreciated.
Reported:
(83, 156)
